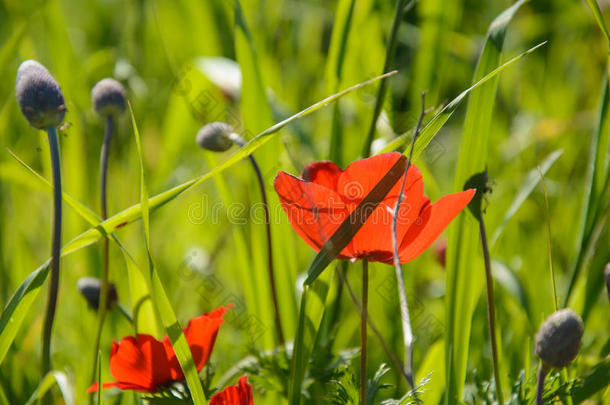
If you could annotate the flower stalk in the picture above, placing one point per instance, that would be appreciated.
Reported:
(491, 312)
(55, 251)
(363, 330)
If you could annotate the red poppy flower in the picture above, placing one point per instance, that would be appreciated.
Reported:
(144, 364)
(325, 195)
(240, 394)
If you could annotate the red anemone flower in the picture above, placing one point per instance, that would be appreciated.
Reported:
(325, 195)
(240, 394)
(145, 364)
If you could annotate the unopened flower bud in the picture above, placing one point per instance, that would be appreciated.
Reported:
(90, 288)
(216, 136)
(558, 339)
(39, 96)
(108, 98)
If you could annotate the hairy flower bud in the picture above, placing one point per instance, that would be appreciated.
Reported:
(215, 136)
(558, 339)
(108, 97)
(90, 288)
(39, 96)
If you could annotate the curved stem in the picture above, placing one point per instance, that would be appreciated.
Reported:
(103, 298)
(491, 313)
(542, 372)
(271, 272)
(55, 255)
(363, 334)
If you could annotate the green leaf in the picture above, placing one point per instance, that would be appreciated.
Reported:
(532, 179)
(595, 381)
(598, 177)
(17, 307)
(463, 249)
(160, 299)
(47, 382)
(334, 72)
(436, 123)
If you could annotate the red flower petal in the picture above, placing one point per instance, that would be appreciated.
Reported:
(140, 362)
(123, 386)
(361, 176)
(201, 334)
(431, 222)
(314, 211)
(324, 173)
(374, 239)
(240, 394)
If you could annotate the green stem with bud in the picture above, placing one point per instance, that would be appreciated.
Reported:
(103, 298)
(55, 255)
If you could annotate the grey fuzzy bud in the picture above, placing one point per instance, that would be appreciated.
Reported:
(108, 97)
(39, 96)
(215, 136)
(558, 339)
(90, 288)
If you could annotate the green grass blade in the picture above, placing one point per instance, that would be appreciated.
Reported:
(597, 177)
(17, 307)
(52, 378)
(134, 212)
(532, 179)
(311, 310)
(160, 299)
(597, 13)
(437, 122)
(19, 304)
(143, 312)
(334, 72)
(463, 258)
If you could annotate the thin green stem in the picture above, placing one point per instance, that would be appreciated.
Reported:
(55, 256)
(103, 299)
(363, 334)
(491, 312)
(401, 7)
(384, 344)
(271, 272)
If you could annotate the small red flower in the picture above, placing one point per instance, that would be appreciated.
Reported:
(240, 394)
(144, 364)
(325, 195)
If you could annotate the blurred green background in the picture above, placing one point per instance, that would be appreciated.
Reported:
(208, 246)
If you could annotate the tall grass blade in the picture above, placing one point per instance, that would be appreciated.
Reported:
(598, 177)
(47, 382)
(159, 296)
(531, 180)
(334, 72)
(436, 123)
(462, 248)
